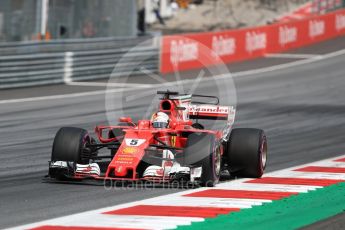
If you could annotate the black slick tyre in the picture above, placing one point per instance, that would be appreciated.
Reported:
(69, 145)
(246, 152)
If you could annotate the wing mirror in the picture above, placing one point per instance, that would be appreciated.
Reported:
(126, 119)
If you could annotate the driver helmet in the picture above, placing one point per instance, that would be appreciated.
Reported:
(160, 120)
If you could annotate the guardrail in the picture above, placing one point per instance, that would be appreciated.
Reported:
(32, 63)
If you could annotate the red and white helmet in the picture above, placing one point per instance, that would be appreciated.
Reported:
(160, 120)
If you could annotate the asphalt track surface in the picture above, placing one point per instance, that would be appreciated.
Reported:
(301, 108)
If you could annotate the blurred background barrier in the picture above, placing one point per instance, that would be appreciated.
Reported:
(51, 62)
(193, 51)
(56, 41)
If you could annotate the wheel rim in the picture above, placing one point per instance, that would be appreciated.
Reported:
(217, 162)
(85, 154)
(263, 154)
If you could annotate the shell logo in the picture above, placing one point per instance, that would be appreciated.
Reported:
(173, 141)
(129, 150)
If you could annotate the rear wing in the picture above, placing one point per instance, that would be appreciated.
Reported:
(212, 112)
(206, 108)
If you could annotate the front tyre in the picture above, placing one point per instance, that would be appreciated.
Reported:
(246, 152)
(70, 146)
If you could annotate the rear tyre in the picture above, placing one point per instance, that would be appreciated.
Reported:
(246, 152)
(70, 145)
(201, 151)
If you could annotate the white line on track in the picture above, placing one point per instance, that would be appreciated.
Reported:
(210, 202)
(288, 65)
(123, 221)
(187, 81)
(267, 187)
(312, 175)
(106, 84)
(329, 161)
(297, 56)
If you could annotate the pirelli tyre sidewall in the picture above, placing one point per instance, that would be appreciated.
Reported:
(69, 145)
(246, 152)
(202, 151)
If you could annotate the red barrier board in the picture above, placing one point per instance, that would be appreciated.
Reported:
(192, 51)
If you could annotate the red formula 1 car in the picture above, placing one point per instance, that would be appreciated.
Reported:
(171, 146)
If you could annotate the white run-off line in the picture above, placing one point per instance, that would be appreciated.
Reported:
(96, 218)
(186, 81)
(294, 56)
(107, 84)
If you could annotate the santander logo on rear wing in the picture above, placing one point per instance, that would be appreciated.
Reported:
(212, 112)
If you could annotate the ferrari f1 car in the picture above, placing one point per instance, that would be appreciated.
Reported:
(169, 147)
